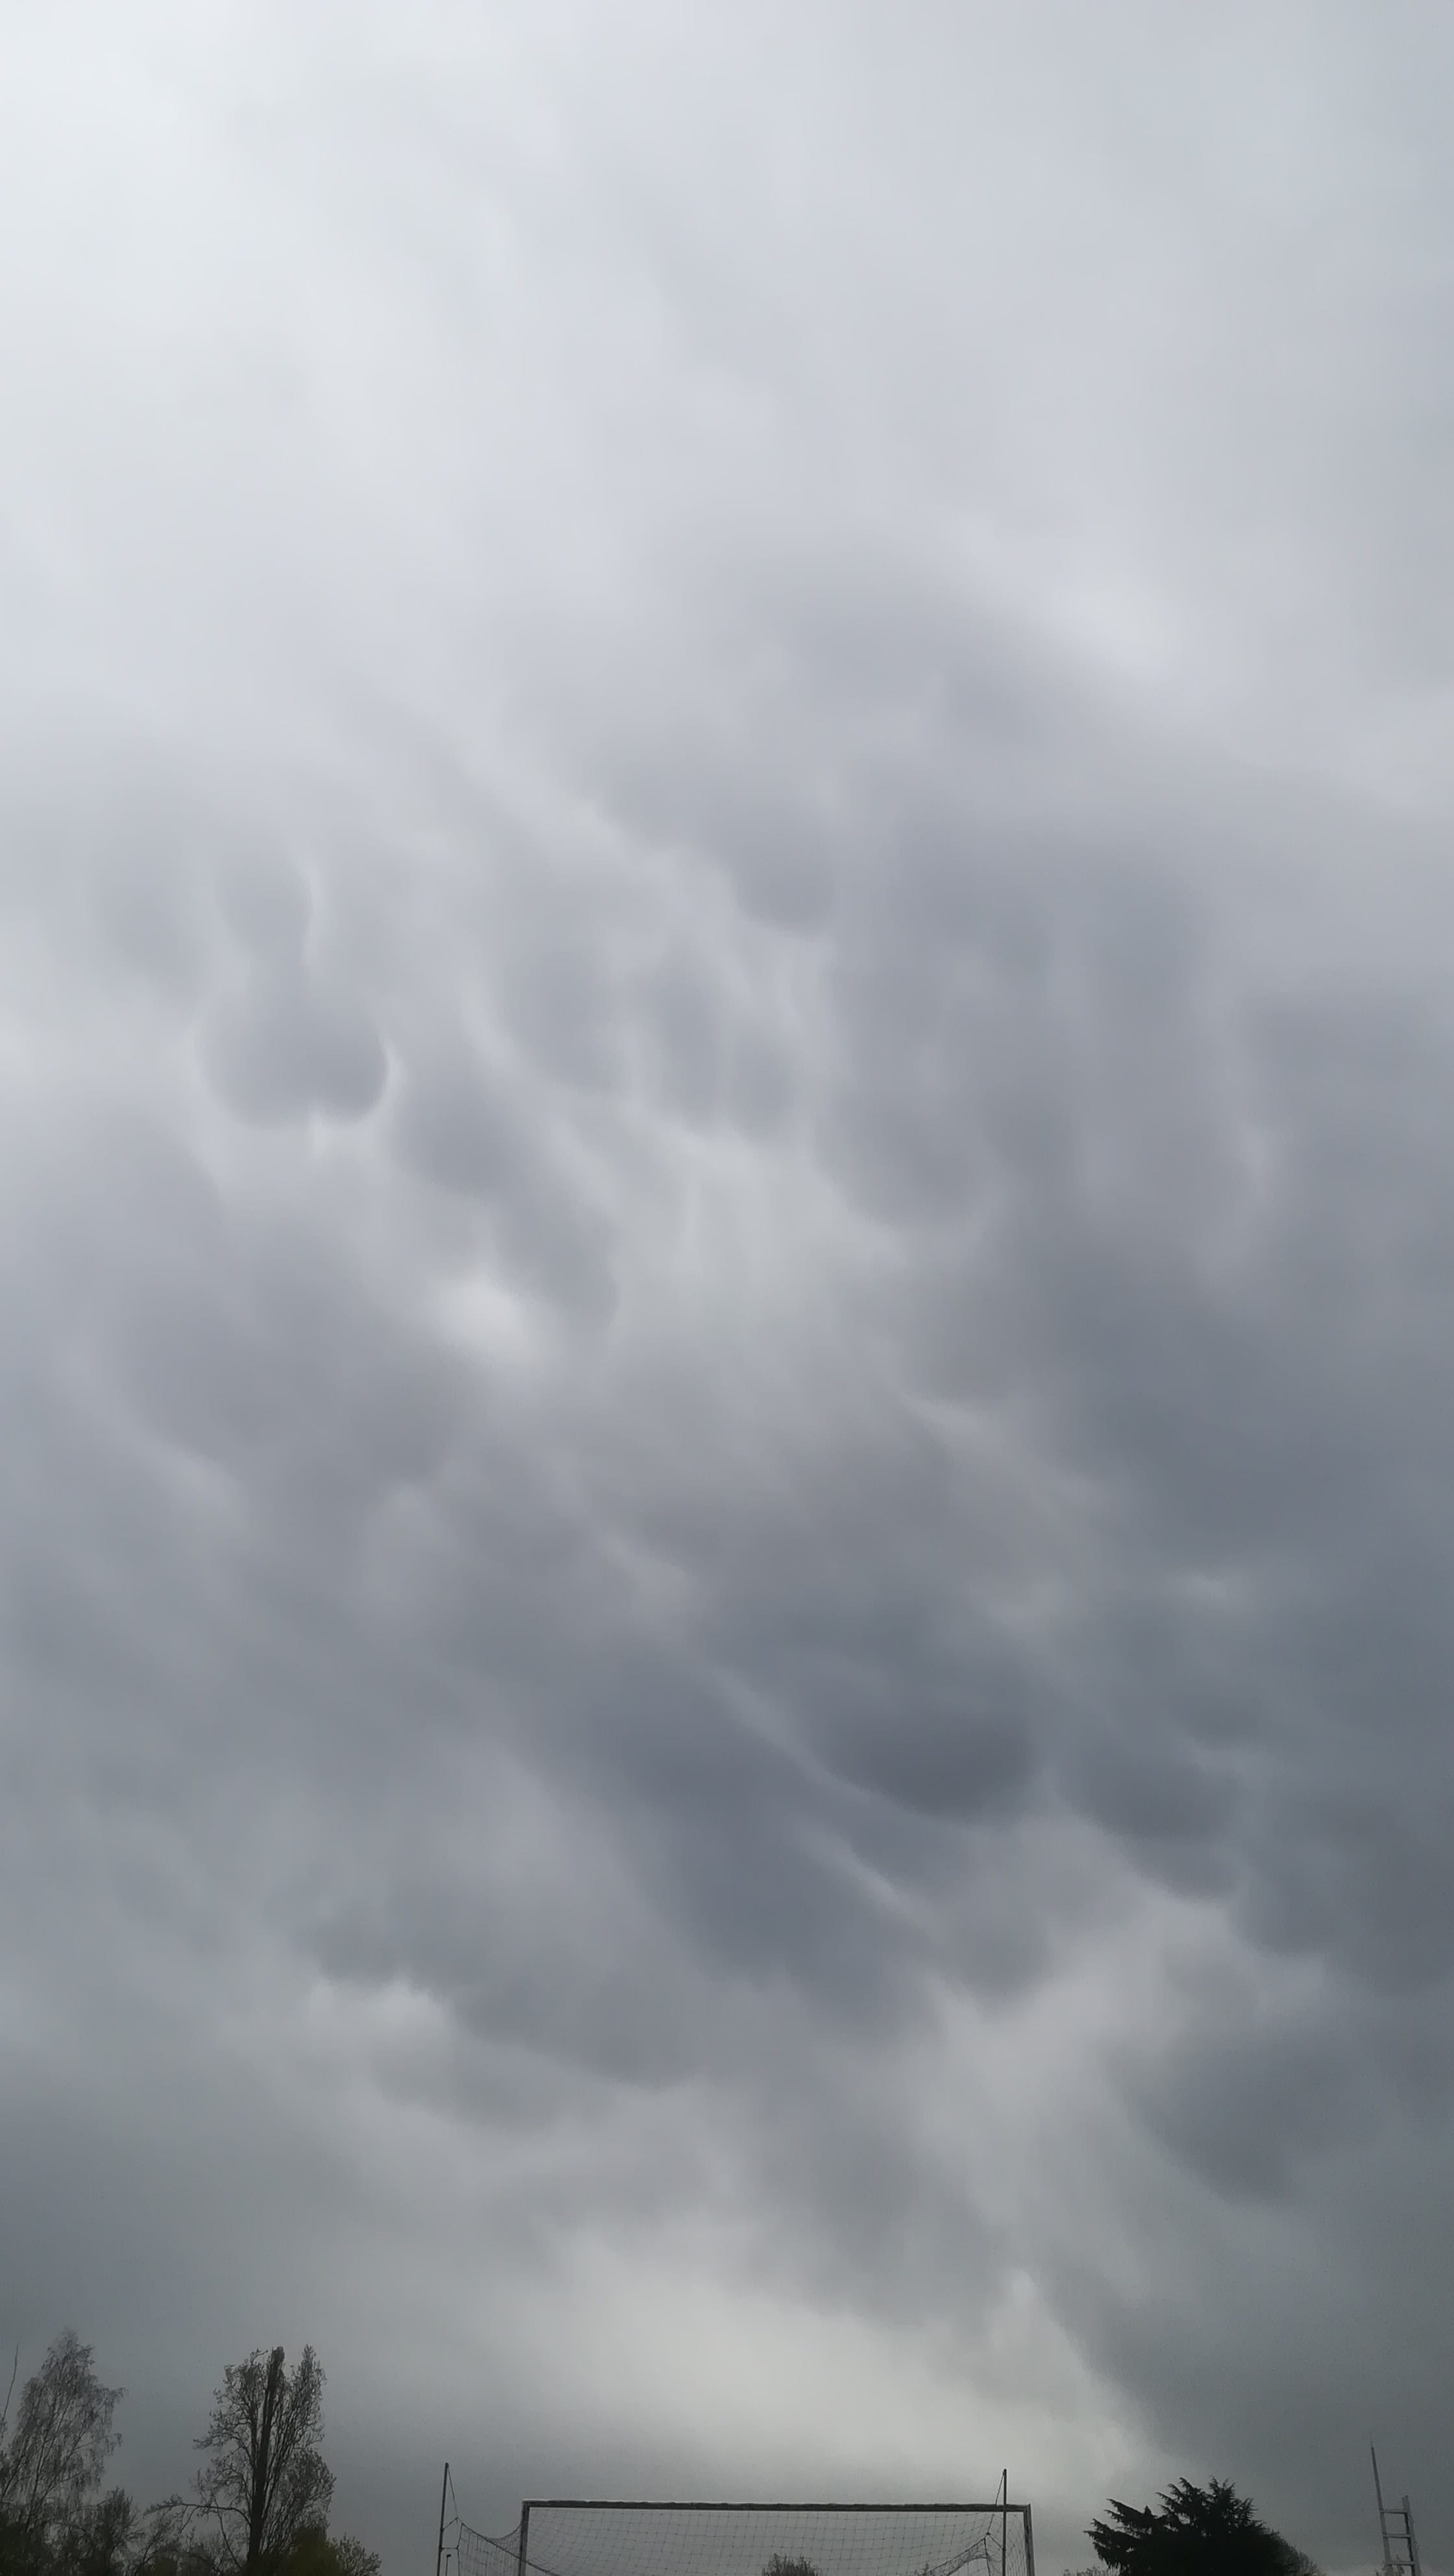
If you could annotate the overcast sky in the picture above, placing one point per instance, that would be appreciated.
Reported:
(727, 1109)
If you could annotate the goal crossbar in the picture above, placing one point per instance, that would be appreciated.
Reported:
(586, 2535)
(736, 2504)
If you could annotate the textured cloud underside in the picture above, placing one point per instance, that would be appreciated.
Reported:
(725, 1110)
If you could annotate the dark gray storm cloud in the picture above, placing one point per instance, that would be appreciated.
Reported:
(726, 1101)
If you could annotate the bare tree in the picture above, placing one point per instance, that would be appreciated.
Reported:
(112, 2536)
(102, 2539)
(61, 2443)
(265, 2479)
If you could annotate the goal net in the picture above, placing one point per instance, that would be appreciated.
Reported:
(575, 2537)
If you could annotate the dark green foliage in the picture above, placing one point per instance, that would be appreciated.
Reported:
(314, 2554)
(20, 2555)
(780, 2565)
(1196, 2531)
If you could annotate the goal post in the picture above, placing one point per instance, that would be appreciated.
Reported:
(610, 2536)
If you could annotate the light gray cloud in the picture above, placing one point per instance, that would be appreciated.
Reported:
(725, 1103)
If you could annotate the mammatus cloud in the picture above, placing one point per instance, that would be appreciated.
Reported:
(725, 1111)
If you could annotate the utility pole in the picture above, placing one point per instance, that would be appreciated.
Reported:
(443, 2498)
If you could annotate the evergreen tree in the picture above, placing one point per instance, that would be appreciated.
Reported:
(1197, 2531)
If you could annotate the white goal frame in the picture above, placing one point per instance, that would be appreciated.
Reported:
(1003, 2509)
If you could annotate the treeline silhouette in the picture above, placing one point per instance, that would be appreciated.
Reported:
(1191, 2531)
(258, 2504)
(260, 2499)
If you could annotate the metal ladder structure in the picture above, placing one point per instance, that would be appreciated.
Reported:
(1396, 2532)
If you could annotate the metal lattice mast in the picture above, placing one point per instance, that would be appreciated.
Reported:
(1395, 2531)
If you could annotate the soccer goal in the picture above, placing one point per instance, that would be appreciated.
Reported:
(578, 2536)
